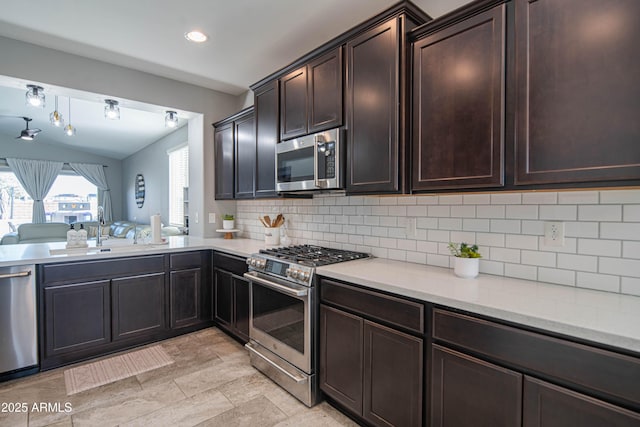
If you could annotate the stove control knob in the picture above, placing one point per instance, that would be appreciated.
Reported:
(304, 276)
(248, 261)
(261, 264)
(253, 262)
(288, 272)
(294, 273)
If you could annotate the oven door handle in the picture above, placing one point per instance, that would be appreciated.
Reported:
(276, 286)
(298, 380)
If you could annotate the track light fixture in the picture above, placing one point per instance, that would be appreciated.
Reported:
(111, 110)
(55, 117)
(35, 96)
(171, 119)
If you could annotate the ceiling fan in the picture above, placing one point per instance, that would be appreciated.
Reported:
(26, 133)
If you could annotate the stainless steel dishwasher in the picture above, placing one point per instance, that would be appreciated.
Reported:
(18, 324)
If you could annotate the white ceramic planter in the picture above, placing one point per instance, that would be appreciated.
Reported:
(272, 235)
(466, 268)
(228, 224)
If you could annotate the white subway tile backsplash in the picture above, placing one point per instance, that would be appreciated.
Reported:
(558, 212)
(602, 231)
(600, 213)
(621, 231)
(599, 282)
(578, 262)
(620, 266)
(578, 197)
(506, 198)
(522, 212)
(620, 196)
(630, 250)
(630, 286)
(631, 213)
(609, 248)
(554, 275)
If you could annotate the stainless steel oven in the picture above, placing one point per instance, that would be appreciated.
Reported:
(311, 162)
(282, 319)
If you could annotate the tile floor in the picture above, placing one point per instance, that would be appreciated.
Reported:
(211, 383)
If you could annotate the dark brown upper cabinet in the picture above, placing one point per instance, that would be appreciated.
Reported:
(224, 161)
(312, 96)
(458, 103)
(235, 156)
(267, 133)
(245, 145)
(578, 97)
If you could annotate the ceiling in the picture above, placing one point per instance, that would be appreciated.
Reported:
(248, 40)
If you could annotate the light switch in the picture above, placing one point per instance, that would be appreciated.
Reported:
(212, 218)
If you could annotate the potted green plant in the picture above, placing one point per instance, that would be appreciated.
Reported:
(227, 222)
(467, 260)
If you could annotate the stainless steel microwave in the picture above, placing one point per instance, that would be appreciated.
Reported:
(311, 162)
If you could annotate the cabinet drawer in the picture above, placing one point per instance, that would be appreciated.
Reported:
(392, 310)
(90, 270)
(604, 372)
(185, 260)
(234, 264)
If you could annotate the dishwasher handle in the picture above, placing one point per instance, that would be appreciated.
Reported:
(14, 275)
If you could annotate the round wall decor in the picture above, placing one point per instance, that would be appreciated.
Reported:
(139, 189)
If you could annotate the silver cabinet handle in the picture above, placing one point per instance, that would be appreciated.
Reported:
(276, 286)
(12, 275)
(293, 377)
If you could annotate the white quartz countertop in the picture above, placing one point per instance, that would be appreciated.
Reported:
(606, 318)
(601, 317)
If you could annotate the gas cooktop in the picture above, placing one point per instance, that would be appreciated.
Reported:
(313, 256)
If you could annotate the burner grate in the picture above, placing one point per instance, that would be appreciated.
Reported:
(313, 256)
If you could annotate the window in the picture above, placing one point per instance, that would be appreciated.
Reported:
(71, 198)
(178, 185)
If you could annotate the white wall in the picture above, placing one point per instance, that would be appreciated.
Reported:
(10, 147)
(48, 66)
(601, 251)
(153, 163)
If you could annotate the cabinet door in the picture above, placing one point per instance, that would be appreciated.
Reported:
(224, 162)
(578, 97)
(547, 405)
(241, 308)
(245, 141)
(325, 91)
(267, 135)
(466, 391)
(138, 305)
(392, 377)
(293, 96)
(185, 297)
(341, 345)
(223, 297)
(77, 317)
(372, 109)
(458, 105)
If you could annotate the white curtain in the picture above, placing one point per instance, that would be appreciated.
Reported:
(36, 177)
(95, 175)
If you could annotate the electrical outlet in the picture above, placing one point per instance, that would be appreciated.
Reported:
(410, 228)
(212, 218)
(553, 233)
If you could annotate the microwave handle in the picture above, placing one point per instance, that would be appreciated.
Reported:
(316, 181)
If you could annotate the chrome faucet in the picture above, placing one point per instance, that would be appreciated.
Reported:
(100, 224)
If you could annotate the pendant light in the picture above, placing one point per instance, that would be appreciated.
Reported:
(69, 130)
(35, 96)
(111, 110)
(55, 117)
(171, 119)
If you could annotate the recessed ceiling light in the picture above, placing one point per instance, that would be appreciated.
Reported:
(196, 36)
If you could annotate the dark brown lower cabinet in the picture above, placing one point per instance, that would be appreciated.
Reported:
(548, 405)
(78, 317)
(185, 297)
(372, 370)
(137, 305)
(231, 307)
(466, 391)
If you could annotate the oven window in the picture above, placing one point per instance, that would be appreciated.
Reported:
(280, 316)
(296, 165)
